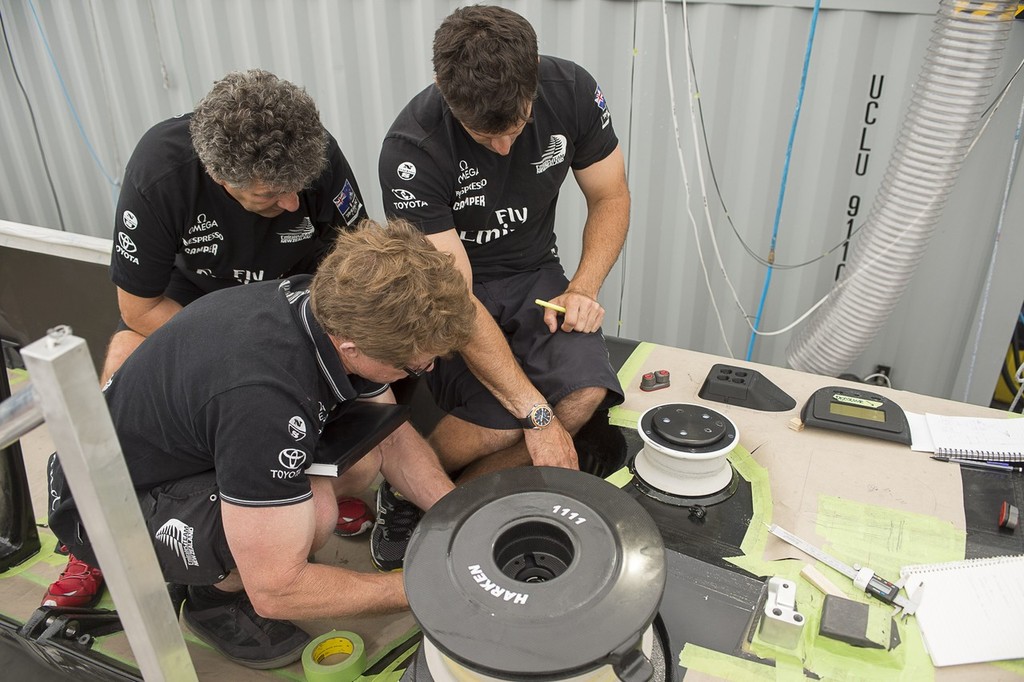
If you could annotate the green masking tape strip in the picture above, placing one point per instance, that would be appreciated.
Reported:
(343, 652)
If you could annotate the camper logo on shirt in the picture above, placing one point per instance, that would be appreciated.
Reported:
(348, 203)
(467, 185)
(200, 238)
(553, 155)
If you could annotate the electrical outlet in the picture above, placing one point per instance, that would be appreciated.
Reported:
(882, 376)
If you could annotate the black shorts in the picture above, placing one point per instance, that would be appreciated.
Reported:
(182, 517)
(558, 364)
(184, 522)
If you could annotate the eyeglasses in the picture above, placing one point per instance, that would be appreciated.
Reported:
(417, 372)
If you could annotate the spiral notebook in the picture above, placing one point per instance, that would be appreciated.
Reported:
(970, 611)
(977, 437)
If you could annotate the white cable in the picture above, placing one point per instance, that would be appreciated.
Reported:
(704, 194)
(854, 273)
(942, 118)
(878, 375)
(690, 68)
(995, 108)
(682, 165)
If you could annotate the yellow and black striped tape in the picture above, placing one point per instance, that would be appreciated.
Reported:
(984, 9)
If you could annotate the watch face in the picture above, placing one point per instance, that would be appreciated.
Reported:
(541, 416)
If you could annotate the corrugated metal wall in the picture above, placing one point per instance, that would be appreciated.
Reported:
(96, 74)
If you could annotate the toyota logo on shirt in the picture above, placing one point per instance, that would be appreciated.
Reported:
(125, 242)
(292, 458)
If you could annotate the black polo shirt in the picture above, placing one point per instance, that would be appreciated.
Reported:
(243, 381)
(172, 215)
(503, 207)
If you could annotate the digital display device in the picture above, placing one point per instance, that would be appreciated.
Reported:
(856, 411)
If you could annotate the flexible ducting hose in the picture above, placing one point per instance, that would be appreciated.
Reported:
(949, 98)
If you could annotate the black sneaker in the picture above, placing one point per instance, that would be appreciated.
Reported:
(245, 637)
(396, 520)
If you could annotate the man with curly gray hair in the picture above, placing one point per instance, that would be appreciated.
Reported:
(255, 131)
(248, 187)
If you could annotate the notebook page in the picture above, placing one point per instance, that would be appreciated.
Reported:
(970, 611)
(977, 438)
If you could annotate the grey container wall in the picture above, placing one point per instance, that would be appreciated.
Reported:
(127, 64)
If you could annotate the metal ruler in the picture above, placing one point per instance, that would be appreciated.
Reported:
(863, 578)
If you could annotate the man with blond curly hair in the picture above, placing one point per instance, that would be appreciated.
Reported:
(223, 409)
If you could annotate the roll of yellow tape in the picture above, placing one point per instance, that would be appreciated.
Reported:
(337, 656)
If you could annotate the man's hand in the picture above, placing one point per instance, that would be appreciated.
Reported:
(582, 313)
(551, 446)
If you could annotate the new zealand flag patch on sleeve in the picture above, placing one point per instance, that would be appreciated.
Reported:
(348, 203)
(606, 114)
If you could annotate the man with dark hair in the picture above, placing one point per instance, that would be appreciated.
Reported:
(248, 187)
(223, 409)
(476, 161)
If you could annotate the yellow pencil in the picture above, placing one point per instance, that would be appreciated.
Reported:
(546, 304)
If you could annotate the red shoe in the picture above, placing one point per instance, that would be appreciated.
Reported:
(354, 517)
(79, 585)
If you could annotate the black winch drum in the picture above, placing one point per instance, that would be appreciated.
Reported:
(537, 573)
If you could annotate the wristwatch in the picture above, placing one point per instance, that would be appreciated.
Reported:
(539, 416)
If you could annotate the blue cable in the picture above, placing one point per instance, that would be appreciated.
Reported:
(67, 97)
(785, 175)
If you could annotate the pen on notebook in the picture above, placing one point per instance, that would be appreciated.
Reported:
(546, 304)
(976, 464)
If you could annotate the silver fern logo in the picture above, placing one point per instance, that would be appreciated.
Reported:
(553, 155)
(301, 232)
(177, 535)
